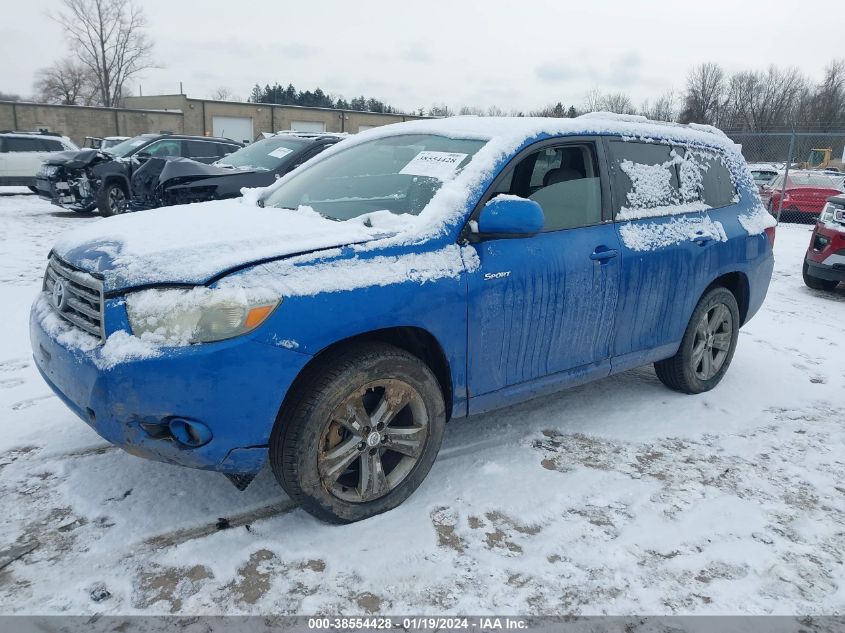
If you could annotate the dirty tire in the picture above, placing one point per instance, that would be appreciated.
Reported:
(300, 430)
(679, 373)
(815, 283)
(109, 199)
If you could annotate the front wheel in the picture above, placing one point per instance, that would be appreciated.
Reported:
(111, 199)
(360, 434)
(708, 345)
(815, 283)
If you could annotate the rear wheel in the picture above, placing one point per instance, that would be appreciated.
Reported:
(111, 199)
(814, 282)
(361, 433)
(708, 345)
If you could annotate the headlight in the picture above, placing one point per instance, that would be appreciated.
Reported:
(832, 213)
(197, 315)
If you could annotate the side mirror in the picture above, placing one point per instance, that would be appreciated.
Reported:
(142, 156)
(510, 216)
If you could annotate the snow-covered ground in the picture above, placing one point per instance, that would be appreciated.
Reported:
(617, 497)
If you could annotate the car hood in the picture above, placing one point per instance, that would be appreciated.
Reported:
(78, 158)
(195, 243)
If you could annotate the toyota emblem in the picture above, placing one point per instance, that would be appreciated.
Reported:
(59, 295)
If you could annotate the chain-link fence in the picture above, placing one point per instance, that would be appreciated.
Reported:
(795, 171)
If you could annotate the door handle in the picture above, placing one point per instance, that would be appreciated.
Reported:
(602, 254)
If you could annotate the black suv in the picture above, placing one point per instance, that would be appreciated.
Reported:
(91, 178)
(163, 182)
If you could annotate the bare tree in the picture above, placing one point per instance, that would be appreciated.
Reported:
(66, 82)
(471, 110)
(663, 108)
(222, 94)
(705, 94)
(109, 38)
(618, 102)
(759, 101)
(827, 102)
(594, 101)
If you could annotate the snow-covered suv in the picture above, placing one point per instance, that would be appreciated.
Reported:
(21, 155)
(333, 322)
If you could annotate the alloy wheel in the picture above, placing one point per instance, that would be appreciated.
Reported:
(116, 199)
(712, 341)
(372, 441)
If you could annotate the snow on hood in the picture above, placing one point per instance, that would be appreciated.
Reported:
(193, 243)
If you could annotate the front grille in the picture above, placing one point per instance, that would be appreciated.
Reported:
(79, 299)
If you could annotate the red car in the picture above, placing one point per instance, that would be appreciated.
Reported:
(824, 263)
(805, 194)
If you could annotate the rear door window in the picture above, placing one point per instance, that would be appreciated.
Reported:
(201, 149)
(17, 144)
(51, 145)
(644, 179)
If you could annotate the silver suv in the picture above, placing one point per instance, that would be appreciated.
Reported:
(21, 155)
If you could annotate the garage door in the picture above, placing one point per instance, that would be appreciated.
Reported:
(308, 126)
(364, 128)
(233, 127)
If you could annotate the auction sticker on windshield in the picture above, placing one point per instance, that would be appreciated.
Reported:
(440, 165)
(280, 152)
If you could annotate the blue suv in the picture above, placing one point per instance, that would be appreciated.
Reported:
(336, 320)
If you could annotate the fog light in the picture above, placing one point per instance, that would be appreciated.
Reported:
(189, 432)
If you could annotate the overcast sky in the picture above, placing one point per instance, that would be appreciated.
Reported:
(517, 55)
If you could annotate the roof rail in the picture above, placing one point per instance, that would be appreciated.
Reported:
(637, 118)
(32, 132)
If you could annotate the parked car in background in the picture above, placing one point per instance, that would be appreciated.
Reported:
(824, 263)
(426, 270)
(162, 182)
(94, 178)
(764, 173)
(21, 155)
(96, 142)
(804, 195)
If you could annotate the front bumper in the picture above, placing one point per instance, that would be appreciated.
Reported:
(233, 387)
(826, 253)
(63, 192)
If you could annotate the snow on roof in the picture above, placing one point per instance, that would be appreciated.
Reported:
(505, 135)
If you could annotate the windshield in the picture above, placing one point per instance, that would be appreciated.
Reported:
(111, 143)
(128, 146)
(399, 174)
(761, 177)
(813, 180)
(262, 155)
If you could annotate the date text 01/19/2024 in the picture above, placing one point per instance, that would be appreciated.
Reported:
(419, 623)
